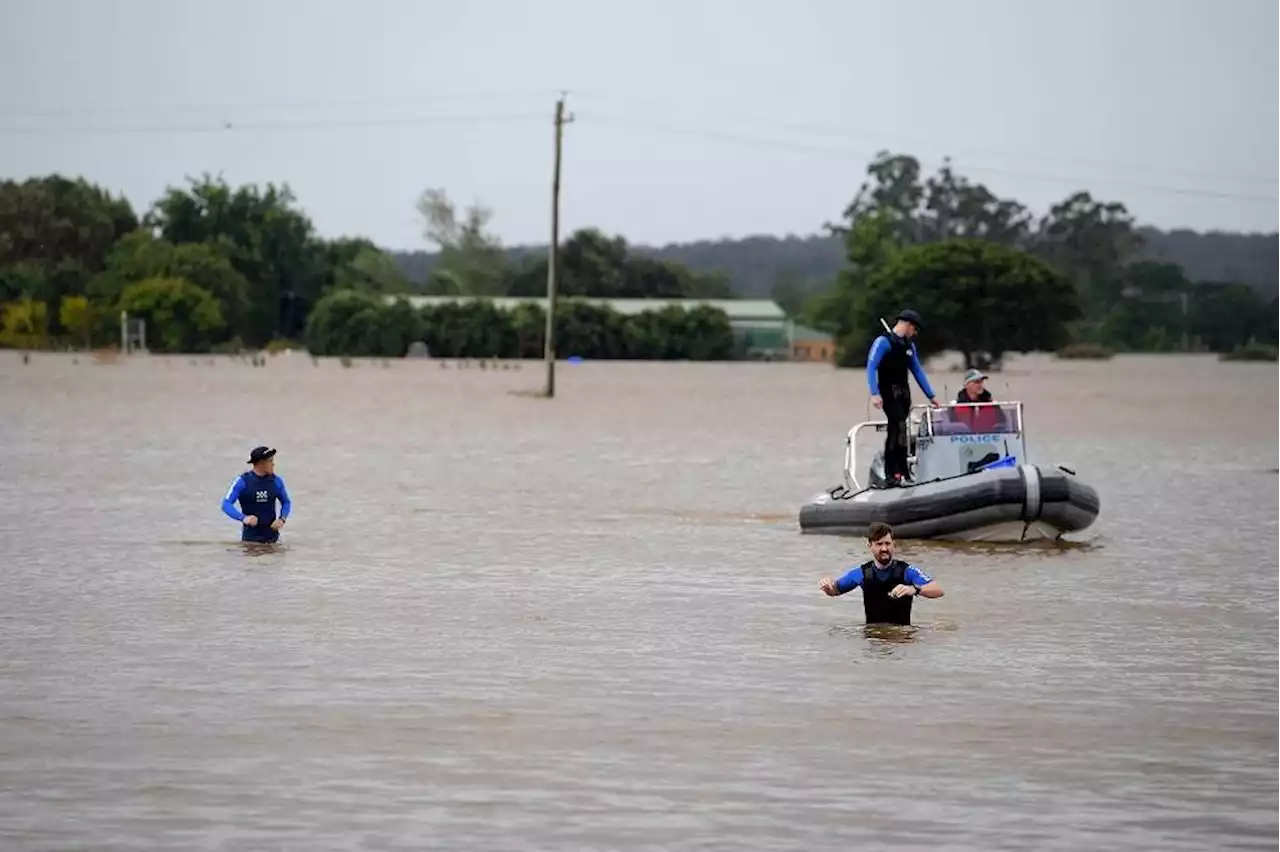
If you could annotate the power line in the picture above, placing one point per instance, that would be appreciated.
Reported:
(22, 111)
(846, 133)
(846, 153)
(229, 126)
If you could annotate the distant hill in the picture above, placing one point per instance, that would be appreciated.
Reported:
(754, 265)
(1252, 259)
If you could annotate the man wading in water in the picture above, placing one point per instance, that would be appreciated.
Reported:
(257, 491)
(892, 355)
(887, 584)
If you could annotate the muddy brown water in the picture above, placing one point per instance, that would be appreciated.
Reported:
(506, 623)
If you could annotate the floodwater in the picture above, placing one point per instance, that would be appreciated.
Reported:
(509, 623)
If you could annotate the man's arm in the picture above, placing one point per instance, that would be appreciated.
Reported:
(918, 372)
(847, 583)
(286, 505)
(878, 349)
(850, 581)
(229, 507)
(927, 586)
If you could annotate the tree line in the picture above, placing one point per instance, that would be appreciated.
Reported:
(210, 266)
(991, 278)
(347, 322)
(793, 267)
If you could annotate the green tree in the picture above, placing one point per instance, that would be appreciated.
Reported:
(353, 323)
(978, 297)
(706, 333)
(713, 285)
(1147, 314)
(399, 325)
(588, 330)
(22, 280)
(647, 335)
(79, 317)
(361, 324)
(268, 241)
(472, 256)
(593, 264)
(529, 321)
(180, 316)
(371, 270)
(647, 278)
(893, 192)
(341, 323)
(477, 329)
(140, 256)
(1091, 242)
(870, 244)
(24, 324)
(1224, 316)
(344, 250)
(945, 206)
(58, 232)
(442, 282)
(955, 208)
(53, 220)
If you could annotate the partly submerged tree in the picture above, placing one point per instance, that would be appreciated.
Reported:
(978, 297)
(180, 316)
(473, 257)
(270, 242)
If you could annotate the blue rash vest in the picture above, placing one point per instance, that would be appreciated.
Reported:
(251, 494)
(888, 362)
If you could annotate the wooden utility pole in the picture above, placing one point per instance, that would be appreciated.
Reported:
(553, 259)
(1186, 343)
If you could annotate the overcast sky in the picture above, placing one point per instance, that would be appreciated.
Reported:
(694, 119)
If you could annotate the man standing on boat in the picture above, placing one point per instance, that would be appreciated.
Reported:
(887, 584)
(256, 491)
(892, 357)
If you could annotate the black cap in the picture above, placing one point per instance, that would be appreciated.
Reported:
(911, 317)
(260, 454)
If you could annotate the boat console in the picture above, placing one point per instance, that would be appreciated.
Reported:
(947, 441)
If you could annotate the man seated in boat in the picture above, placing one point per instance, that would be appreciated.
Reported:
(978, 417)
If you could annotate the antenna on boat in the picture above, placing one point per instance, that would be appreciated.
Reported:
(867, 405)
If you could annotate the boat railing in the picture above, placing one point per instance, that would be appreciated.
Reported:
(924, 421)
(851, 451)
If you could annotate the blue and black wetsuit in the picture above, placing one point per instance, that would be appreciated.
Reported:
(888, 363)
(257, 495)
(877, 582)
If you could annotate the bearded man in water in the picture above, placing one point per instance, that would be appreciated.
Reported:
(888, 585)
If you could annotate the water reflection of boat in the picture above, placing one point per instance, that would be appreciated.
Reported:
(966, 485)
